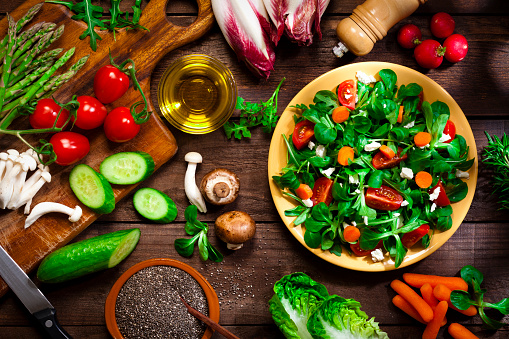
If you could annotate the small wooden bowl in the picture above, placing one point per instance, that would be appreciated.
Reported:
(109, 309)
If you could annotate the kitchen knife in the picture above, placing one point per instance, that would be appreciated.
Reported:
(30, 296)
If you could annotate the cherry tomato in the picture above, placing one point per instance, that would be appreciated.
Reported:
(442, 199)
(442, 25)
(450, 130)
(45, 114)
(384, 198)
(91, 113)
(303, 132)
(380, 161)
(411, 238)
(456, 48)
(429, 54)
(409, 36)
(119, 125)
(110, 84)
(346, 94)
(322, 191)
(358, 251)
(69, 147)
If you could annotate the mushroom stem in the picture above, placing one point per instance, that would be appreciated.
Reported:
(30, 190)
(50, 207)
(192, 191)
(12, 168)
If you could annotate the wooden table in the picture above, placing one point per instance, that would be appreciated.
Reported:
(244, 280)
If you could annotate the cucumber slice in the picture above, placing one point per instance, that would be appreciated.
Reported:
(88, 256)
(92, 189)
(155, 205)
(127, 168)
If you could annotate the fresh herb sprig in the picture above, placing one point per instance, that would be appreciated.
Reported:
(253, 114)
(496, 156)
(462, 299)
(198, 230)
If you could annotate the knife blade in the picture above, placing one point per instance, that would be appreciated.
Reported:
(30, 296)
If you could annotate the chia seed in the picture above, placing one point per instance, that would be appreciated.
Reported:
(148, 305)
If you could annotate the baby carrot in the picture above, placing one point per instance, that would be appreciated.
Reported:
(351, 234)
(458, 331)
(345, 153)
(417, 280)
(421, 139)
(340, 114)
(400, 114)
(387, 151)
(431, 330)
(403, 305)
(414, 299)
(304, 191)
(443, 293)
(429, 298)
(423, 179)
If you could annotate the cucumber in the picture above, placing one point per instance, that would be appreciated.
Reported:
(127, 168)
(154, 205)
(92, 189)
(88, 256)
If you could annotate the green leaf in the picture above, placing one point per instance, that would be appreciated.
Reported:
(361, 124)
(502, 306)
(237, 130)
(457, 192)
(289, 179)
(389, 78)
(469, 273)
(90, 14)
(329, 98)
(376, 179)
(461, 299)
(185, 247)
(214, 254)
(313, 225)
(324, 134)
(327, 240)
(202, 246)
(312, 239)
(409, 90)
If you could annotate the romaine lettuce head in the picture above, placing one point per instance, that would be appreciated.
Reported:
(296, 297)
(342, 318)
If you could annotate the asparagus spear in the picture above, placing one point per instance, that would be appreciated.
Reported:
(20, 86)
(46, 29)
(20, 70)
(22, 22)
(47, 57)
(61, 79)
(11, 45)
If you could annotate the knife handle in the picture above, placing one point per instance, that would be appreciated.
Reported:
(47, 318)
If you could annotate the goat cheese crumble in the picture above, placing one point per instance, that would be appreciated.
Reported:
(372, 146)
(320, 151)
(308, 203)
(434, 196)
(444, 138)
(377, 255)
(461, 174)
(311, 145)
(328, 172)
(406, 173)
(364, 78)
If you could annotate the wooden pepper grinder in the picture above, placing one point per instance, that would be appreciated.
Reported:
(369, 23)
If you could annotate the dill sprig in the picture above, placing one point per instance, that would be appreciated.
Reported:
(496, 155)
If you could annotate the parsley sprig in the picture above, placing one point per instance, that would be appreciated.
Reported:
(253, 114)
(496, 155)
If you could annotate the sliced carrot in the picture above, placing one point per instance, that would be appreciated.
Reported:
(421, 139)
(403, 305)
(443, 293)
(304, 191)
(458, 331)
(417, 280)
(345, 153)
(400, 114)
(387, 151)
(413, 299)
(351, 233)
(340, 114)
(423, 179)
(431, 330)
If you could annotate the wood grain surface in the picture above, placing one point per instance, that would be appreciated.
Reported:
(244, 281)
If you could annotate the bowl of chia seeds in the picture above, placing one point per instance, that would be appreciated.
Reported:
(145, 302)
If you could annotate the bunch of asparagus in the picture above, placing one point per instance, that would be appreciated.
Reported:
(27, 69)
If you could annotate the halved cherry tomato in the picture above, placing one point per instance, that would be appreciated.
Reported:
(384, 198)
(450, 130)
(69, 147)
(380, 161)
(358, 251)
(322, 191)
(120, 126)
(45, 114)
(110, 84)
(346, 94)
(411, 238)
(421, 99)
(91, 113)
(442, 199)
(303, 132)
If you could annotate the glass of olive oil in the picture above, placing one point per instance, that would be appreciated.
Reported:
(197, 94)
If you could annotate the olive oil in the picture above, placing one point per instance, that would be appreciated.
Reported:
(197, 94)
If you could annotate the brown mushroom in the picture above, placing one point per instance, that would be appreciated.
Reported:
(235, 228)
(220, 186)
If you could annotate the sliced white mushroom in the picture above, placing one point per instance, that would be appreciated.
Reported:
(13, 168)
(28, 164)
(192, 191)
(3, 162)
(33, 185)
(51, 207)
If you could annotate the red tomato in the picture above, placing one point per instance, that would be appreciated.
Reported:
(45, 114)
(91, 113)
(450, 130)
(110, 84)
(380, 161)
(322, 191)
(119, 125)
(346, 94)
(358, 251)
(303, 132)
(384, 198)
(411, 238)
(69, 147)
(442, 199)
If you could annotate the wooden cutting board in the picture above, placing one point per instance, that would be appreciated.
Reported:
(29, 246)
